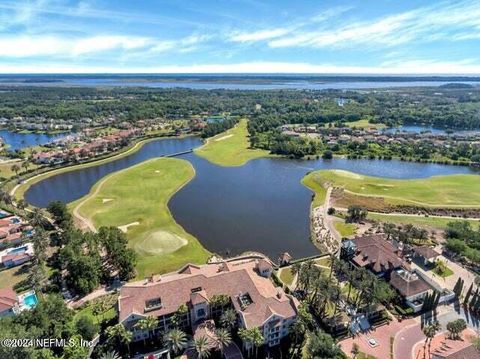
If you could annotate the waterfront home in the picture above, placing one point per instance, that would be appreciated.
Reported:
(9, 304)
(244, 283)
(13, 257)
(13, 230)
(412, 287)
(427, 255)
(374, 253)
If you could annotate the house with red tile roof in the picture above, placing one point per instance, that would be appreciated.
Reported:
(9, 304)
(244, 281)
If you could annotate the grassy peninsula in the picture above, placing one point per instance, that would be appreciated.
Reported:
(462, 191)
(135, 200)
(230, 148)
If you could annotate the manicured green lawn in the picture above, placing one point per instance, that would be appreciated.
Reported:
(314, 183)
(442, 270)
(138, 197)
(324, 262)
(345, 229)
(364, 124)
(434, 222)
(14, 276)
(286, 275)
(230, 148)
(445, 191)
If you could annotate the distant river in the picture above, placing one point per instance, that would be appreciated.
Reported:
(17, 141)
(261, 206)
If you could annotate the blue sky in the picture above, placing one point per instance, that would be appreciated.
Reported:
(362, 36)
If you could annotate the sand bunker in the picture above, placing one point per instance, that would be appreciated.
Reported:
(223, 137)
(160, 242)
(125, 227)
(105, 200)
(157, 171)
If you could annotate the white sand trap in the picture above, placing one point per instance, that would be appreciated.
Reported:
(105, 200)
(124, 228)
(157, 171)
(161, 242)
(223, 137)
(347, 174)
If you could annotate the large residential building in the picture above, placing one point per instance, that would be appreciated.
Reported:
(9, 304)
(245, 283)
(375, 253)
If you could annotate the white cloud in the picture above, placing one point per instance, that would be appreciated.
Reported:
(24, 46)
(425, 67)
(258, 35)
(447, 20)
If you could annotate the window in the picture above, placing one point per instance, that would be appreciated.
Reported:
(152, 304)
(197, 289)
(201, 313)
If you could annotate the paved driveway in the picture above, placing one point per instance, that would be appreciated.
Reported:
(381, 334)
(406, 339)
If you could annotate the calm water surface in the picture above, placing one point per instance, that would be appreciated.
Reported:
(260, 206)
(17, 141)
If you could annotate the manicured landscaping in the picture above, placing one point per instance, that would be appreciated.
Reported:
(286, 275)
(136, 199)
(312, 182)
(365, 124)
(442, 270)
(230, 148)
(445, 191)
(22, 188)
(433, 222)
(13, 277)
(345, 229)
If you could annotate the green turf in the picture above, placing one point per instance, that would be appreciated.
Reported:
(345, 229)
(365, 124)
(434, 222)
(311, 181)
(13, 276)
(134, 147)
(230, 148)
(286, 275)
(437, 191)
(140, 194)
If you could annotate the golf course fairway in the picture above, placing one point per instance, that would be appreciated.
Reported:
(135, 200)
(230, 148)
(452, 191)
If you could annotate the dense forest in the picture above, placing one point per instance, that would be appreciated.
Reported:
(452, 107)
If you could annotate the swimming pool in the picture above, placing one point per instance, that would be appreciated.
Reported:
(30, 300)
(18, 250)
(3, 214)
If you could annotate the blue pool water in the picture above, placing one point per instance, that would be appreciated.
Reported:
(15, 220)
(30, 300)
(3, 214)
(18, 250)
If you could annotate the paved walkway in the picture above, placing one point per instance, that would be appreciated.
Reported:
(381, 335)
(407, 338)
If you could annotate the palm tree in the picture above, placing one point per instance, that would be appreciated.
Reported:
(257, 339)
(119, 333)
(247, 339)
(430, 331)
(295, 268)
(223, 339)
(229, 319)
(110, 355)
(355, 350)
(25, 165)
(202, 347)
(149, 324)
(15, 168)
(176, 340)
(37, 217)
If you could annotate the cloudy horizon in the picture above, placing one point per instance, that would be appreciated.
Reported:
(240, 36)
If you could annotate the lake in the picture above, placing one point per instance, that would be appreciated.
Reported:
(236, 81)
(17, 141)
(261, 206)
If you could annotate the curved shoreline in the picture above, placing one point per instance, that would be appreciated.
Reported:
(193, 246)
(23, 187)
